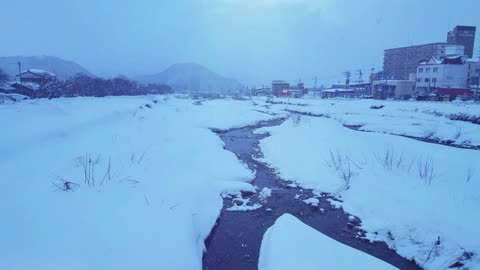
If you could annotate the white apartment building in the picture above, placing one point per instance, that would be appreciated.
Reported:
(450, 72)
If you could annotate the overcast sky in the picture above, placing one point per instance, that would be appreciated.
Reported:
(253, 41)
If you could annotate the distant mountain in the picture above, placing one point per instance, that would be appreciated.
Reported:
(64, 69)
(191, 77)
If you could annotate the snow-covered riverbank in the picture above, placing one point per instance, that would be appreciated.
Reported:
(155, 169)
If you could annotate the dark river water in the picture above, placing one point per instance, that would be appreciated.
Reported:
(235, 241)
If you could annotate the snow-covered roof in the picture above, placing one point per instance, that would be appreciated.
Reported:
(333, 90)
(39, 72)
(391, 81)
(29, 85)
(6, 86)
(453, 60)
(13, 97)
(431, 61)
(456, 56)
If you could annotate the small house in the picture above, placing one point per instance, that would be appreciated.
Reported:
(35, 76)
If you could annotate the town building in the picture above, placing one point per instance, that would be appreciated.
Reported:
(26, 88)
(463, 35)
(401, 63)
(397, 89)
(284, 89)
(280, 87)
(473, 73)
(261, 91)
(35, 76)
(448, 73)
(339, 93)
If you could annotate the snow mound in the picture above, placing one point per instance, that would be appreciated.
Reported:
(290, 244)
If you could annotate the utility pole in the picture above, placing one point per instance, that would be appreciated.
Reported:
(20, 71)
(347, 78)
(315, 87)
(360, 76)
(386, 86)
(372, 78)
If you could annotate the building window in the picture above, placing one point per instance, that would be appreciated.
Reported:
(434, 80)
(420, 70)
(419, 80)
(427, 80)
(427, 70)
(435, 69)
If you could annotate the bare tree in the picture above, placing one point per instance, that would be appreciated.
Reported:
(4, 76)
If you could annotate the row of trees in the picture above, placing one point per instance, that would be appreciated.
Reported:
(83, 85)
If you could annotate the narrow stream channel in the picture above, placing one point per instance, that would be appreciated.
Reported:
(235, 241)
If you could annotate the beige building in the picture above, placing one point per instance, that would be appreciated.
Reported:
(398, 89)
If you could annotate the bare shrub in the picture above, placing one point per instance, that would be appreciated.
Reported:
(64, 185)
(429, 133)
(296, 119)
(87, 163)
(388, 160)
(340, 119)
(470, 174)
(343, 166)
(129, 180)
(410, 166)
(108, 174)
(136, 161)
(458, 133)
(435, 249)
(426, 170)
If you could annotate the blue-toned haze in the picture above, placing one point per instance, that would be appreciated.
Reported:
(252, 41)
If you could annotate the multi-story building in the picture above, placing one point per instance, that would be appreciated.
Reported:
(401, 63)
(463, 35)
(280, 87)
(473, 73)
(451, 73)
(284, 89)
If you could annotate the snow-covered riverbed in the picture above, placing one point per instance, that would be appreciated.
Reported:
(146, 175)
(420, 198)
(156, 175)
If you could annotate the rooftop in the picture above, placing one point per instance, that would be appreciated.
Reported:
(464, 28)
(420, 45)
(39, 72)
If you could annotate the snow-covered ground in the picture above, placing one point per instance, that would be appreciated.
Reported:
(156, 176)
(421, 198)
(419, 119)
(290, 244)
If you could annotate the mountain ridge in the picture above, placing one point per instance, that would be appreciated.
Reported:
(64, 69)
(192, 77)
